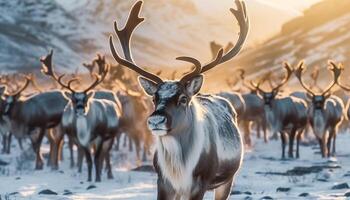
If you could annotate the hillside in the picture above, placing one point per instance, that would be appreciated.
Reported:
(76, 29)
(321, 34)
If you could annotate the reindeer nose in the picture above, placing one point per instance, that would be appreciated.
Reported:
(156, 120)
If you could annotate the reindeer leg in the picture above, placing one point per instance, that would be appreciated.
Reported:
(4, 140)
(108, 159)
(98, 162)
(88, 161)
(71, 151)
(334, 138)
(19, 140)
(324, 144)
(125, 140)
(9, 139)
(164, 189)
(117, 146)
(258, 128)
(283, 140)
(266, 136)
(299, 134)
(321, 147)
(58, 151)
(130, 144)
(36, 143)
(80, 158)
(246, 130)
(53, 149)
(291, 143)
(223, 192)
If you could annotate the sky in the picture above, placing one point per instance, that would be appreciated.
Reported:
(292, 5)
(267, 16)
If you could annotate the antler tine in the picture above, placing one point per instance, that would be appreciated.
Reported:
(336, 71)
(124, 36)
(243, 22)
(298, 73)
(26, 84)
(257, 86)
(196, 70)
(289, 72)
(99, 78)
(47, 68)
(68, 86)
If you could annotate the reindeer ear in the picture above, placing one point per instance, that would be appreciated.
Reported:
(309, 96)
(327, 95)
(194, 85)
(90, 94)
(148, 86)
(67, 95)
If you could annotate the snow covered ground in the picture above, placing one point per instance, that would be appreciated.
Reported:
(263, 174)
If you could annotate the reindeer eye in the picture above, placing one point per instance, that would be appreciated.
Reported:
(183, 100)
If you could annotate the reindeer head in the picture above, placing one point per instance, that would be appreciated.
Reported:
(9, 99)
(79, 99)
(269, 96)
(172, 98)
(318, 99)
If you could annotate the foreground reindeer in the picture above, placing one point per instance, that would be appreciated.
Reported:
(285, 115)
(325, 112)
(198, 144)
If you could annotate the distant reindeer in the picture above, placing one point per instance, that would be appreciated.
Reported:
(339, 68)
(89, 117)
(285, 115)
(198, 144)
(32, 116)
(325, 112)
(133, 120)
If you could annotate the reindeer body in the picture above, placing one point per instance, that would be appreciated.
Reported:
(254, 112)
(326, 120)
(181, 159)
(286, 115)
(97, 127)
(237, 102)
(38, 112)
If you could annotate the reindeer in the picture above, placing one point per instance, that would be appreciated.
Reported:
(198, 146)
(90, 121)
(4, 131)
(32, 116)
(339, 68)
(325, 112)
(98, 96)
(284, 115)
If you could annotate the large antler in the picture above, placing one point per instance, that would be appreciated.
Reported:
(47, 69)
(289, 72)
(337, 69)
(103, 71)
(298, 73)
(124, 36)
(25, 85)
(336, 73)
(243, 22)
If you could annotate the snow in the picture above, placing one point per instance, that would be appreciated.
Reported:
(255, 176)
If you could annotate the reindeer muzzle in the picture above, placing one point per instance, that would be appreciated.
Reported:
(158, 124)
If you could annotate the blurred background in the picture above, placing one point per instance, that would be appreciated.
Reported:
(291, 30)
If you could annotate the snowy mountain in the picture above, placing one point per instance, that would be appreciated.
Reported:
(321, 34)
(76, 29)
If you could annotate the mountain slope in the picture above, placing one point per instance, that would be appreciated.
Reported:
(76, 29)
(321, 34)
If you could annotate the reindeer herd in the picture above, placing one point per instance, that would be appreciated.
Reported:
(198, 143)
